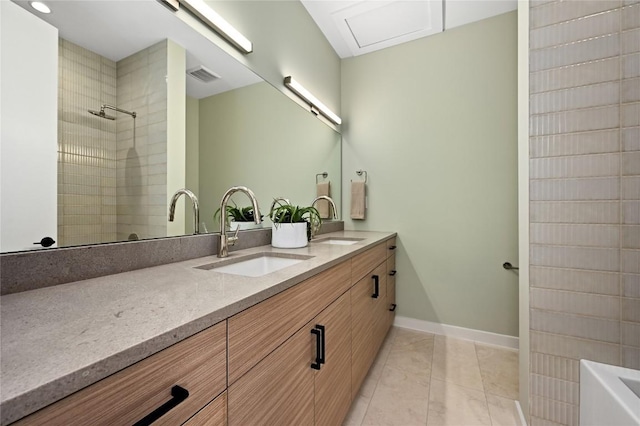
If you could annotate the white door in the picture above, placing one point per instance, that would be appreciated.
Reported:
(28, 129)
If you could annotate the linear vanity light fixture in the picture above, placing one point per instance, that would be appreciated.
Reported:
(314, 103)
(207, 15)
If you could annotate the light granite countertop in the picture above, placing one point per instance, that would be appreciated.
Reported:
(58, 340)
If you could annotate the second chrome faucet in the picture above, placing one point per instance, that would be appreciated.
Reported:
(225, 241)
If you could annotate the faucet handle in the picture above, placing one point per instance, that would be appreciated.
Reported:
(232, 240)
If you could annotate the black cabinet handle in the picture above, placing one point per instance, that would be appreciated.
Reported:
(393, 272)
(322, 341)
(46, 242)
(392, 247)
(316, 365)
(178, 394)
(393, 307)
(376, 286)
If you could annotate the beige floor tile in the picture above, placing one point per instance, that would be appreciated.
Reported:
(455, 361)
(499, 370)
(403, 383)
(397, 401)
(404, 336)
(451, 404)
(358, 410)
(503, 411)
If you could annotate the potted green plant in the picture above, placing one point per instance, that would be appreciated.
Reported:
(241, 217)
(293, 226)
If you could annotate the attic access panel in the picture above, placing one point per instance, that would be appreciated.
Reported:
(371, 25)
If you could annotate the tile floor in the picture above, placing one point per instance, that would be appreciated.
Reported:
(425, 379)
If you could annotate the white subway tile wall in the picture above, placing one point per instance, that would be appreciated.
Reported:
(585, 187)
(86, 147)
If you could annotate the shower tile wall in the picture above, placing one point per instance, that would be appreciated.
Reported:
(142, 163)
(585, 196)
(86, 148)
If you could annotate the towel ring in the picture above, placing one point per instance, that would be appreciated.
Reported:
(360, 172)
(324, 176)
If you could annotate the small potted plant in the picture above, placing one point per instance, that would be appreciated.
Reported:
(293, 226)
(241, 217)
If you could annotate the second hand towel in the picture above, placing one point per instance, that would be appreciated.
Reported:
(358, 200)
(323, 188)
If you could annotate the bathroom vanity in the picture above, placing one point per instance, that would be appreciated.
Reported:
(188, 345)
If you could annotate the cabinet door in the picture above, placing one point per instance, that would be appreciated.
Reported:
(380, 307)
(391, 289)
(361, 332)
(257, 331)
(279, 389)
(333, 380)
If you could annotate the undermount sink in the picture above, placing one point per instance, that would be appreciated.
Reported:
(256, 265)
(345, 241)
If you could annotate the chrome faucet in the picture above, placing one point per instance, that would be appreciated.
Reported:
(196, 208)
(334, 210)
(225, 242)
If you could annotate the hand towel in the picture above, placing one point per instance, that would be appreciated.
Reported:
(358, 200)
(323, 188)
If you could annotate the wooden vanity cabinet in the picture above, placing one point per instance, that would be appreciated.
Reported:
(369, 311)
(213, 414)
(292, 385)
(197, 364)
(257, 331)
(391, 289)
(333, 379)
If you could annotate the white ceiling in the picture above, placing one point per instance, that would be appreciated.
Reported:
(117, 29)
(356, 27)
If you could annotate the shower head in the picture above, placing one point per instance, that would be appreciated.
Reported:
(101, 114)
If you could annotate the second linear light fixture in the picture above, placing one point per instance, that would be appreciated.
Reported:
(314, 103)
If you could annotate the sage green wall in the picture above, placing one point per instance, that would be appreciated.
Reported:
(254, 136)
(286, 41)
(434, 123)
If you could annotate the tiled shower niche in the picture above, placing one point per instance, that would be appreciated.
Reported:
(584, 196)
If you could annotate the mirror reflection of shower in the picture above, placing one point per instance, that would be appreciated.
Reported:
(104, 115)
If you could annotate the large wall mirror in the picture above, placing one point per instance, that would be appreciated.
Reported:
(133, 125)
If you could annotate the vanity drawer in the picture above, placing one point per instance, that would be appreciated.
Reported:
(257, 331)
(391, 247)
(366, 262)
(214, 414)
(197, 364)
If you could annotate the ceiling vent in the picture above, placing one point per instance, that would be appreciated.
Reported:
(203, 74)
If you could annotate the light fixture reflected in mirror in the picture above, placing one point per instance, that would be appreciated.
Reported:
(314, 103)
(207, 15)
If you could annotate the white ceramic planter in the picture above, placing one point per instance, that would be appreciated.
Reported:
(289, 235)
(244, 225)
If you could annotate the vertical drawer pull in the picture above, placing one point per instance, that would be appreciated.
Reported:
(178, 394)
(322, 341)
(376, 286)
(392, 273)
(316, 365)
(393, 307)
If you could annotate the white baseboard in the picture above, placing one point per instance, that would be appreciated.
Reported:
(479, 336)
(523, 421)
